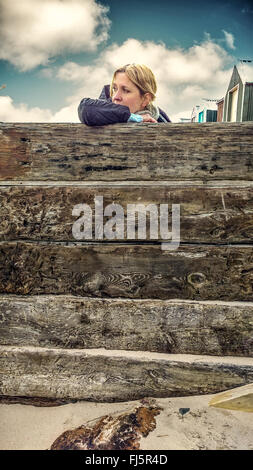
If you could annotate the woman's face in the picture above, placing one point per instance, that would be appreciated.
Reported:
(128, 94)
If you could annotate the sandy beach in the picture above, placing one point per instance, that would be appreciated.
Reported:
(27, 427)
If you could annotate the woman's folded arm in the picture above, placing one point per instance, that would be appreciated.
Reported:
(99, 112)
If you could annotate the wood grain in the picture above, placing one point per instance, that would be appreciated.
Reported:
(127, 270)
(75, 152)
(99, 375)
(175, 327)
(209, 215)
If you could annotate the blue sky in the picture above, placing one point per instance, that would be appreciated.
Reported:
(55, 52)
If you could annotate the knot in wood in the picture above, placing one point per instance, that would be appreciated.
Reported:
(217, 232)
(196, 279)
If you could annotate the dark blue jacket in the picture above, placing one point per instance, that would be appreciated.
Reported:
(103, 111)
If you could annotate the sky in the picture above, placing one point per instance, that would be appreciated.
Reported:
(53, 53)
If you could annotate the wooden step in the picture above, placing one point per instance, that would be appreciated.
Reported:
(106, 376)
(208, 214)
(194, 272)
(76, 152)
(169, 326)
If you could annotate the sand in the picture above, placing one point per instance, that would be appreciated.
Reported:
(26, 427)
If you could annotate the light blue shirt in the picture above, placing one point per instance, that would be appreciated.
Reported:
(135, 118)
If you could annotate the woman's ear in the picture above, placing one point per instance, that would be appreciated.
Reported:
(146, 99)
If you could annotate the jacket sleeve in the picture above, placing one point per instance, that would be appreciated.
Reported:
(163, 116)
(100, 112)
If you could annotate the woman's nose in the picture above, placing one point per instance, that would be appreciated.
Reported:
(117, 95)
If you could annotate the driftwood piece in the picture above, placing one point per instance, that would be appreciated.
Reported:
(213, 328)
(207, 214)
(106, 376)
(129, 151)
(120, 431)
(134, 271)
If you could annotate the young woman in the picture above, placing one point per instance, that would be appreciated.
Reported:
(129, 98)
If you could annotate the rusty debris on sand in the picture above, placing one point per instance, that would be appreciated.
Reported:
(121, 431)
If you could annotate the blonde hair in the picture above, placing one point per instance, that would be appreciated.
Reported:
(141, 76)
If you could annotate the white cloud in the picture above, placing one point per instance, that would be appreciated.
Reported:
(229, 38)
(246, 72)
(66, 114)
(89, 79)
(33, 31)
(11, 112)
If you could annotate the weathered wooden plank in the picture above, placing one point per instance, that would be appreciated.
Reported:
(126, 152)
(101, 375)
(232, 184)
(214, 215)
(127, 270)
(185, 327)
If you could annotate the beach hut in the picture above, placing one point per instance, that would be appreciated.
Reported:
(238, 101)
(203, 113)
